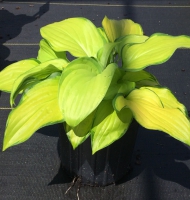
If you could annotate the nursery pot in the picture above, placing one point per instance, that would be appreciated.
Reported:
(106, 166)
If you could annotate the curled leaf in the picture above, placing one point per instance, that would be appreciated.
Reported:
(13, 71)
(156, 50)
(79, 36)
(118, 28)
(38, 109)
(154, 111)
(46, 53)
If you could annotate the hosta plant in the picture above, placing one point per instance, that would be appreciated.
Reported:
(94, 81)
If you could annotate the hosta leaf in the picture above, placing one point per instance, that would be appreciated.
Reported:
(141, 78)
(113, 88)
(148, 83)
(40, 108)
(105, 52)
(83, 63)
(128, 40)
(156, 50)
(39, 72)
(82, 89)
(46, 53)
(103, 34)
(79, 36)
(13, 71)
(119, 102)
(108, 125)
(31, 84)
(76, 140)
(168, 99)
(156, 113)
(118, 28)
(81, 132)
(119, 85)
(132, 39)
(123, 87)
(83, 127)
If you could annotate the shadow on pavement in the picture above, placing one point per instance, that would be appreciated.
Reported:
(11, 26)
(161, 158)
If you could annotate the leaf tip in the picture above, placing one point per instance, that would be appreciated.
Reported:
(93, 151)
(5, 146)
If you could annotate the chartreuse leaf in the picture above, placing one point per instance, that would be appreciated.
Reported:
(79, 36)
(105, 52)
(82, 88)
(168, 99)
(103, 33)
(118, 28)
(13, 71)
(156, 113)
(108, 125)
(46, 53)
(81, 132)
(76, 140)
(31, 84)
(141, 78)
(40, 108)
(144, 83)
(119, 102)
(39, 72)
(156, 50)
(119, 85)
(113, 88)
(128, 40)
(84, 126)
(132, 39)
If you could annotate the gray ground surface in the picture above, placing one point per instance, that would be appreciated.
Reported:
(32, 169)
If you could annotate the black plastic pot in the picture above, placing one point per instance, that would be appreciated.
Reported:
(106, 166)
